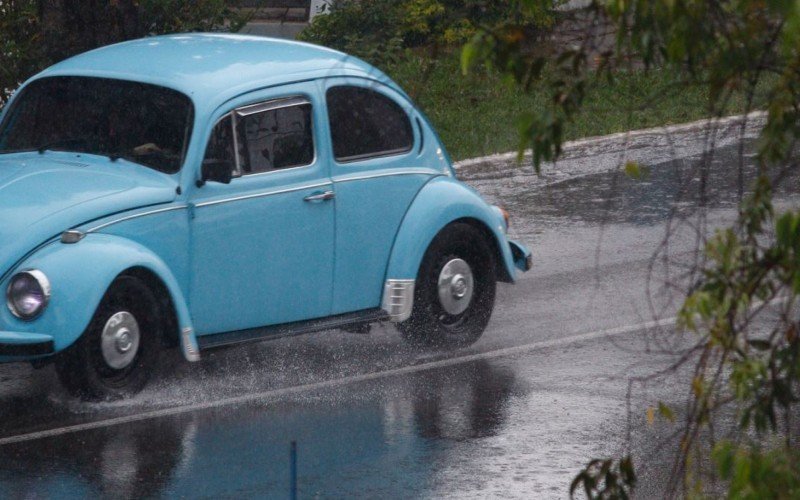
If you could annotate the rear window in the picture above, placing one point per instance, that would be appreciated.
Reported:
(366, 124)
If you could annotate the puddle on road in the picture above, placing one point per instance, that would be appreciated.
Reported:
(669, 189)
(514, 428)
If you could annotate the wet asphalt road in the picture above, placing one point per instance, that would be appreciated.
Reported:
(514, 416)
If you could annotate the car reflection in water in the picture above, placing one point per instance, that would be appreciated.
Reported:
(382, 438)
(468, 402)
(126, 461)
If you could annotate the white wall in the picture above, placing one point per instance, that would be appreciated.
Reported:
(317, 7)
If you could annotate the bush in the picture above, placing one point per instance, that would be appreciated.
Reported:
(179, 16)
(367, 29)
(379, 30)
(19, 52)
(37, 33)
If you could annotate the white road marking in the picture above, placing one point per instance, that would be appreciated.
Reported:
(277, 393)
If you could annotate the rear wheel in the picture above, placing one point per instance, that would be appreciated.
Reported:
(116, 354)
(455, 290)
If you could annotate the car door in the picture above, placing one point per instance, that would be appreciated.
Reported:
(378, 166)
(262, 246)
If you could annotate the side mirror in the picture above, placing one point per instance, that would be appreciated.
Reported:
(216, 171)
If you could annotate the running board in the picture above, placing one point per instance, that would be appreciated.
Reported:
(337, 322)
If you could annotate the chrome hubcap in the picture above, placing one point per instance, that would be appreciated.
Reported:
(120, 340)
(456, 286)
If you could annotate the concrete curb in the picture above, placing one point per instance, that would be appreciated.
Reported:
(621, 136)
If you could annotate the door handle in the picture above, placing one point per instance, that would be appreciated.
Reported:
(323, 196)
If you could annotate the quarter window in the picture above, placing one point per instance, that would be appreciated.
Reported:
(366, 124)
(220, 144)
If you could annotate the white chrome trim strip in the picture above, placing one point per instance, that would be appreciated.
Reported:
(262, 194)
(236, 154)
(388, 174)
(271, 105)
(135, 216)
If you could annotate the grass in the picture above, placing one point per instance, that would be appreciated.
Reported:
(477, 114)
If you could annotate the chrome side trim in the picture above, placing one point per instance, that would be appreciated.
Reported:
(434, 173)
(271, 105)
(191, 351)
(398, 299)
(135, 216)
(262, 194)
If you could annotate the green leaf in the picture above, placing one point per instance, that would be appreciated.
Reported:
(723, 456)
(633, 170)
(666, 412)
(469, 55)
(627, 471)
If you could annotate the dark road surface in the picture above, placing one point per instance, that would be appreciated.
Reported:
(514, 416)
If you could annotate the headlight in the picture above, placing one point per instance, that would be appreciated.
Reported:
(28, 294)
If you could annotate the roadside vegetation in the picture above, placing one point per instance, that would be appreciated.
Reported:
(418, 43)
(479, 114)
(37, 33)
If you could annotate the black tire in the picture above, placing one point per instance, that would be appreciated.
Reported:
(430, 324)
(83, 368)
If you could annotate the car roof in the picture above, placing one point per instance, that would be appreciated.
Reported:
(212, 68)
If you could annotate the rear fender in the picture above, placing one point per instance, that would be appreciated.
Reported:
(440, 202)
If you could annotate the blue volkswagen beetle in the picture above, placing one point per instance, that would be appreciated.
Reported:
(207, 190)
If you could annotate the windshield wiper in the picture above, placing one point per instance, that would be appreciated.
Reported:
(14, 151)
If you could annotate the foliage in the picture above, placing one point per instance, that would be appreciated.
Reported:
(606, 479)
(179, 16)
(19, 39)
(727, 47)
(379, 30)
(472, 113)
(367, 29)
(37, 33)
(754, 474)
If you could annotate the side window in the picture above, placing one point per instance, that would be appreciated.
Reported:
(366, 124)
(273, 139)
(220, 144)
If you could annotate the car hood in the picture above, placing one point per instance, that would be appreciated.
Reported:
(42, 195)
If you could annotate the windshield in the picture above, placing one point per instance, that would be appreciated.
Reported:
(143, 123)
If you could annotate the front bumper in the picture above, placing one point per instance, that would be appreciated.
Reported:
(523, 259)
(13, 344)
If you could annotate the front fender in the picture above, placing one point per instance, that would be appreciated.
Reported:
(80, 275)
(441, 201)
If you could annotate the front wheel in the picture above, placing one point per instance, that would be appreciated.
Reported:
(116, 354)
(455, 290)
